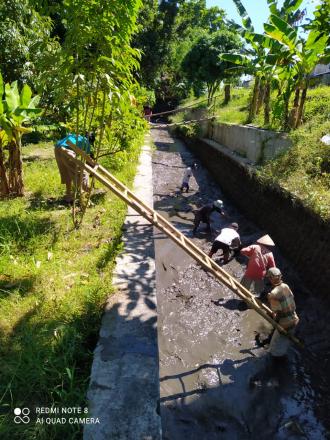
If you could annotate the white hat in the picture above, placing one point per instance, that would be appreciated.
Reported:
(218, 204)
(266, 241)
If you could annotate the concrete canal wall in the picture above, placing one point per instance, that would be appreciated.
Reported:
(250, 142)
(303, 237)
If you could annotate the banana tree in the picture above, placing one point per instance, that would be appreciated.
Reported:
(16, 110)
(295, 63)
(255, 62)
(264, 53)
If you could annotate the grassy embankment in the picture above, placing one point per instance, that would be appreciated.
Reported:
(304, 170)
(53, 284)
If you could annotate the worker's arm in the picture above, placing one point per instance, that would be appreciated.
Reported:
(247, 251)
(270, 261)
(274, 303)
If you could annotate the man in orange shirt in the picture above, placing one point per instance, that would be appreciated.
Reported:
(260, 260)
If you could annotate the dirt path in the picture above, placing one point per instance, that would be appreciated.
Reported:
(207, 335)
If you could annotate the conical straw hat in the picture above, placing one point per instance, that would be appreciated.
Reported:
(266, 241)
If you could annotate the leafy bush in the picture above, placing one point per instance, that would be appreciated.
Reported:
(188, 130)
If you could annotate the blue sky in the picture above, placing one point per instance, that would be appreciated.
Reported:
(257, 9)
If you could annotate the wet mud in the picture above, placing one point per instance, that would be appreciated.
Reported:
(215, 379)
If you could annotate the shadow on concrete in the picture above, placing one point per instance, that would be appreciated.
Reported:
(124, 386)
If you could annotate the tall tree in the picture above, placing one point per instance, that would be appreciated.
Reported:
(202, 64)
(167, 31)
(25, 37)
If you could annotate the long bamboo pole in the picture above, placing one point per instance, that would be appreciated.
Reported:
(118, 188)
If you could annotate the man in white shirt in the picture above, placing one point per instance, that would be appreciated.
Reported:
(185, 180)
(227, 239)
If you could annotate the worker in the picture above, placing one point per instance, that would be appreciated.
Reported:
(90, 136)
(260, 259)
(204, 214)
(227, 240)
(147, 113)
(68, 168)
(185, 180)
(283, 307)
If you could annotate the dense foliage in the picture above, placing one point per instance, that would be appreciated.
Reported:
(167, 32)
(78, 55)
(280, 59)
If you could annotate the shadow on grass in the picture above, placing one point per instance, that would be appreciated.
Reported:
(49, 354)
(48, 361)
(25, 233)
(22, 286)
(36, 158)
(110, 252)
(40, 203)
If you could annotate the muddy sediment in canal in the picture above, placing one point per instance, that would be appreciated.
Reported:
(207, 336)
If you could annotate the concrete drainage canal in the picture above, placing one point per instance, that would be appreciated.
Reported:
(207, 337)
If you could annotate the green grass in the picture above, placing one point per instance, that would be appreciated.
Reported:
(234, 112)
(53, 285)
(304, 169)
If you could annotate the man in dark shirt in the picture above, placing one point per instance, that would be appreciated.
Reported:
(204, 214)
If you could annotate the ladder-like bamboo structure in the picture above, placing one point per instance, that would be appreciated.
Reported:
(109, 181)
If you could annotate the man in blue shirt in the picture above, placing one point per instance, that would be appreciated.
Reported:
(69, 170)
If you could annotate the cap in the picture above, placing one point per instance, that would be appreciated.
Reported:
(274, 272)
(266, 241)
(218, 204)
(234, 225)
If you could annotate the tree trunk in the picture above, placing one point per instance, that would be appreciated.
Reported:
(286, 98)
(260, 98)
(267, 103)
(16, 185)
(301, 106)
(294, 111)
(227, 93)
(254, 100)
(209, 94)
(4, 186)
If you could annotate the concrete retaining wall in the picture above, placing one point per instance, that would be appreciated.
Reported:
(253, 143)
(300, 233)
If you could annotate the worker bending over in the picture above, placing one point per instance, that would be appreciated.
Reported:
(203, 215)
(260, 260)
(69, 170)
(227, 240)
